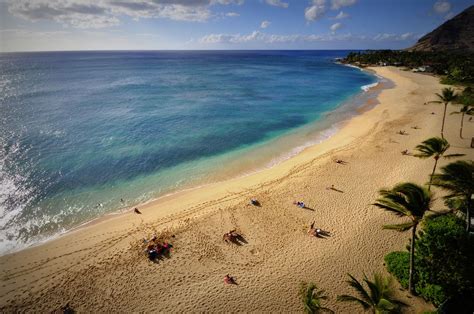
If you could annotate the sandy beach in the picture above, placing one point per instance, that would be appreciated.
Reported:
(102, 267)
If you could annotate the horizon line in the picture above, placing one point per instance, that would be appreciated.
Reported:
(171, 50)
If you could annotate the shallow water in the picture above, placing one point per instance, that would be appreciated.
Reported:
(79, 131)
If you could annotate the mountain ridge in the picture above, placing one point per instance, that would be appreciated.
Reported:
(456, 34)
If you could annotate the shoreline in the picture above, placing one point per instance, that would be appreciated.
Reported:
(355, 105)
(101, 267)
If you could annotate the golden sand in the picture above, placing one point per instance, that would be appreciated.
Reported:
(102, 267)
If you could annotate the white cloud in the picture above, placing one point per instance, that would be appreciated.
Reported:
(106, 13)
(395, 37)
(277, 3)
(334, 27)
(441, 7)
(265, 24)
(315, 11)
(258, 37)
(341, 16)
(337, 4)
(232, 14)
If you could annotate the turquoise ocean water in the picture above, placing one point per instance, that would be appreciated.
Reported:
(79, 131)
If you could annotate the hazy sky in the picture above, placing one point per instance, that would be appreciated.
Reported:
(39, 25)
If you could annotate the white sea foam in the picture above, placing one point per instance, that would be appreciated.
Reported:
(367, 87)
(352, 66)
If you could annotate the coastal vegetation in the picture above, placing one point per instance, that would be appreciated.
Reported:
(446, 97)
(444, 253)
(457, 179)
(434, 147)
(466, 101)
(454, 67)
(411, 201)
(378, 297)
(312, 298)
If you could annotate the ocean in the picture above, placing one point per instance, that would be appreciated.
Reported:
(84, 134)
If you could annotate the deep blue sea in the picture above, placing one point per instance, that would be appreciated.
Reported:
(79, 131)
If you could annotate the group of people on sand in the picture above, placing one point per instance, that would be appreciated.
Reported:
(156, 249)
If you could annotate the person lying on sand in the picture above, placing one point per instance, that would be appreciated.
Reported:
(340, 161)
(229, 280)
(231, 236)
(402, 132)
(314, 232)
(299, 204)
(405, 152)
(254, 202)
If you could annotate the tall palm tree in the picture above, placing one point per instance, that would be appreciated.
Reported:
(458, 178)
(378, 298)
(434, 147)
(465, 110)
(447, 95)
(312, 297)
(406, 200)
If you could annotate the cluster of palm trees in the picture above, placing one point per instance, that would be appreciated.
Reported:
(412, 201)
(378, 297)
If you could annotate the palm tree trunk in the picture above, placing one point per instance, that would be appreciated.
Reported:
(444, 118)
(462, 122)
(468, 214)
(432, 173)
(411, 287)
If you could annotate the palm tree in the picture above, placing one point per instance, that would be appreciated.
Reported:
(447, 95)
(312, 297)
(378, 298)
(434, 147)
(406, 200)
(458, 178)
(465, 110)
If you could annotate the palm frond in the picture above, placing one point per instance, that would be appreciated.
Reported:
(349, 298)
(434, 146)
(400, 227)
(380, 295)
(456, 177)
(354, 283)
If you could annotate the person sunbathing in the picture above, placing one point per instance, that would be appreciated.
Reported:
(405, 152)
(299, 204)
(229, 280)
(230, 236)
(254, 202)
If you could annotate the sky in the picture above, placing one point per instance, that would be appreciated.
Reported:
(58, 25)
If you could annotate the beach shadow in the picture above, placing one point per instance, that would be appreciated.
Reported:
(323, 234)
(308, 208)
(237, 240)
(334, 189)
